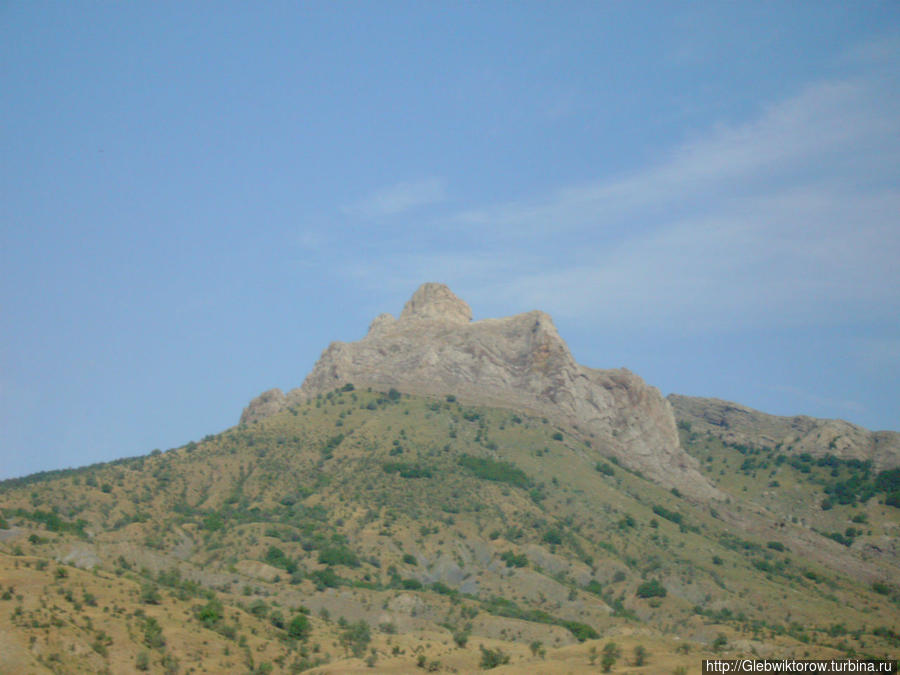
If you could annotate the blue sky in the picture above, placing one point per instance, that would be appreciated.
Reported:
(196, 198)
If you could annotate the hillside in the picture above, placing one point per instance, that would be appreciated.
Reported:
(449, 495)
(409, 530)
(735, 423)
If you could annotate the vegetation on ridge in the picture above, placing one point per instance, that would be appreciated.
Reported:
(387, 531)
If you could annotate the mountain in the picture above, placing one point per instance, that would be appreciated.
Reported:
(519, 362)
(449, 495)
(735, 423)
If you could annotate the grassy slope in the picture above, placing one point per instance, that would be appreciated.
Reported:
(354, 506)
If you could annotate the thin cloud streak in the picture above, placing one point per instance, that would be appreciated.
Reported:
(823, 122)
(789, 218)
(793, 258)
(399, 198)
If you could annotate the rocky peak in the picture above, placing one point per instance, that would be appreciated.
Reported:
(518, 362)
(267, 403)
(436, 302)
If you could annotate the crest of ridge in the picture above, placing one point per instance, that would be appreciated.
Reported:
(518, 362)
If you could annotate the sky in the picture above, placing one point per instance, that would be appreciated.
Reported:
(197, 198)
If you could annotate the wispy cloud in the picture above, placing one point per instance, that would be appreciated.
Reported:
(796, 256)
(399, 198)
(789, 217)
(819, 123)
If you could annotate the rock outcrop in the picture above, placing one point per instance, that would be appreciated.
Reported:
(518, 362)
(735, 423)
(267, 403)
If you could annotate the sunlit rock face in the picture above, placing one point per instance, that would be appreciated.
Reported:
(518, 362)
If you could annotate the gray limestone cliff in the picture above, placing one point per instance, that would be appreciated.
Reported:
(735, 423)
(518, 362)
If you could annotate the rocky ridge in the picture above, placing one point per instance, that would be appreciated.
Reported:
(735, 423)
(518, 362)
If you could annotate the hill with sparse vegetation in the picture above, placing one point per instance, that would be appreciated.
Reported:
(378, 528)
(367, 529)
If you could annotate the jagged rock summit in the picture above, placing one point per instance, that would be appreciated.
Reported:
(519, 362)
(436, 302)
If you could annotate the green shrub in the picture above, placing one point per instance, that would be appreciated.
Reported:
(461, 637)
(491, 658)
(881, 588)
(888, 481)
(277, 558)
(326, 578)
(356, 637)
(150, 594)
(640, 655)
(52, 521)
(840, 538)
(651, 589)
(142, 661)
(553, 537)
(513, 560)
(406, 469)
(338, 555)
(581, 631)
(276, 618)
(213, 522)
(595, 587)
(663, 512)
(493, 470)
(153, 636)
(628, 521)
(210, 614)
(611, 653)
(299, 628)
(605, 469)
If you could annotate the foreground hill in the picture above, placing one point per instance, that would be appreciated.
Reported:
(452, 495)
(364, 528)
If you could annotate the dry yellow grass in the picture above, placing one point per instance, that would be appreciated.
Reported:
(313, 478)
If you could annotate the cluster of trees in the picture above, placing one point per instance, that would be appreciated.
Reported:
(494, 470)
(513, 560)
(407, 469)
